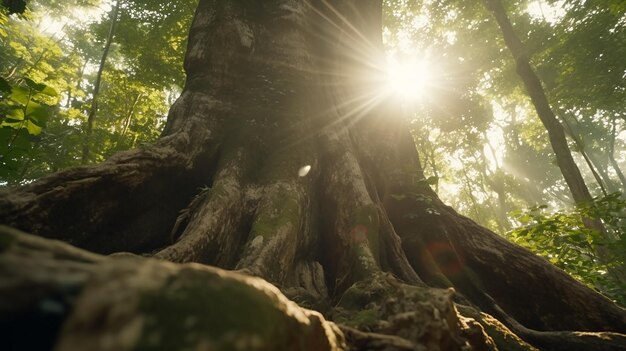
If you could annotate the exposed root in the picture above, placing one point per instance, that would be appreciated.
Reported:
(307, 287)
(213, 220)
(423, 318)
(86, 215)
(275, 236)
(394, 255)
(502, 336)
(351, 217)
(566, 340)
(123, 304)
(41, 280)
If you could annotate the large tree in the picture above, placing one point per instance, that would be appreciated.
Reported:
(282, 159)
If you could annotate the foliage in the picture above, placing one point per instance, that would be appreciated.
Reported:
(24, 112)
(563, 239)
(14, 6)
(142, 76)
(152, 36)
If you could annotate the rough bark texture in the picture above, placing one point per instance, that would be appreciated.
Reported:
(274, 87)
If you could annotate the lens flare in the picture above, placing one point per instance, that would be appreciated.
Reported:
(409, 79)
(303, 171)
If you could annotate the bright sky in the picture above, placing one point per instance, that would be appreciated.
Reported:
(52, 26)
(540, 10)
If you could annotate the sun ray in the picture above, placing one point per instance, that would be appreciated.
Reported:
(409, 78)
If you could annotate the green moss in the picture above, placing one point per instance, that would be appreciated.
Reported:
(366, 253)
(281, 209)
(195, 308)
(364, 318)
(364, 292)
(7, 237)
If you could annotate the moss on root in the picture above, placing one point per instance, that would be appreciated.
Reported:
(205, 311)
(362, 320)
(196, 310)
(423, 316)
(149, 305)
(282, 209)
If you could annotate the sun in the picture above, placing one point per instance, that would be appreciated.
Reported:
(410, 78)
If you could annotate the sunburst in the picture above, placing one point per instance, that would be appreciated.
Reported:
(410, 79)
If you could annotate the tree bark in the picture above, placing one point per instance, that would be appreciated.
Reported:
(282, 159)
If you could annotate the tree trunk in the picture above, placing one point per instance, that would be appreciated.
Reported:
(566, 163)
(556, 133)
(130, 114)
(612, 159)
(598, 171)
(282, 160)
(91, 118)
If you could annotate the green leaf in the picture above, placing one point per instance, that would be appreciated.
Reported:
(37, 113)
(10, 123)
(32, 128)
(41, 88)
(15, 114)
(20, 95)
(50, 91)
(33, 85)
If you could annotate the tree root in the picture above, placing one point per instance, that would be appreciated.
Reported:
(131, 303)
(210, 222)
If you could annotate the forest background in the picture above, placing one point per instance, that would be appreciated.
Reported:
(83, 79)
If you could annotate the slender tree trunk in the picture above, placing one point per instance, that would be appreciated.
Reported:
(129, 115)
(611, 155)
(96, 89)
(81, 72)
(556, 133)
(566, 163)
(281, 160)
(598, 171)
